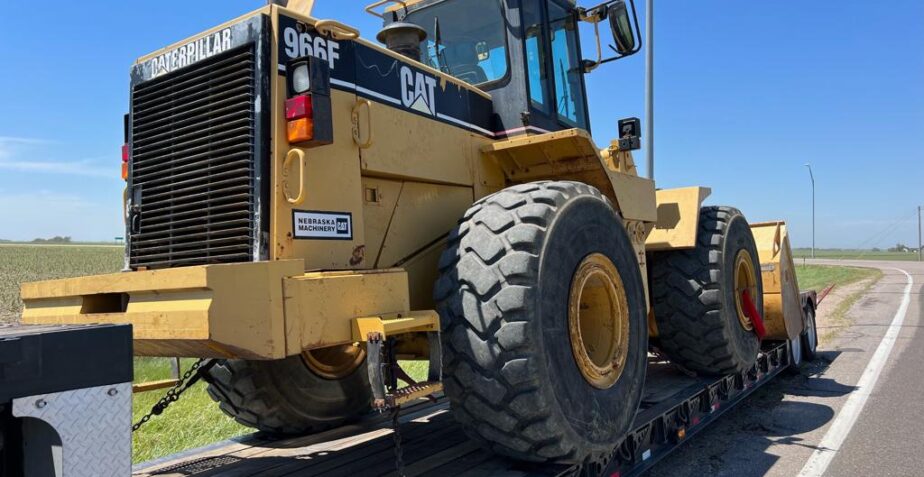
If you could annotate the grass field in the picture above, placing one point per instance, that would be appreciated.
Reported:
(816, 277)
(845, 254)
(195, 420)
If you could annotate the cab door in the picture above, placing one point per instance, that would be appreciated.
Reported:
(555, 80)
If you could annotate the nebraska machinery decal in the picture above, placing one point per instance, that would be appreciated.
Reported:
(309, 224)
(370, 73)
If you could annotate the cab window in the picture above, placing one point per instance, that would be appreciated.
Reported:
(473, 39)
(535, 51)
(566, 64)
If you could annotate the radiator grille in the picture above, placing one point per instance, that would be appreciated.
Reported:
(193, 164)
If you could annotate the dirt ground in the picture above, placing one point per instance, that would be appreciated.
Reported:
(831, 314)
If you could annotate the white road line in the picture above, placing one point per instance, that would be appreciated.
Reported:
(833, 440)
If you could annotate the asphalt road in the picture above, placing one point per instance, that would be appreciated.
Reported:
(842, 416)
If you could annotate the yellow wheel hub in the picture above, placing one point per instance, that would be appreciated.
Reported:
(745, 279)
(598, 321)
(335, 362)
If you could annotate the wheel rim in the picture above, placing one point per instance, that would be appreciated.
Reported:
(810, 332)
(745, 279)
(335, 362)
(796, 345)
(598, 321)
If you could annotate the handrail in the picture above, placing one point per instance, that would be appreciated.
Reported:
(371, 8)
(336, 30)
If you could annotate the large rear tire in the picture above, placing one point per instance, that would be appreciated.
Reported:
(294, 396)
(543, 318)
(696, 296)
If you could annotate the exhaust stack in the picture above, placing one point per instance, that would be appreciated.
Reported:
(403, 38)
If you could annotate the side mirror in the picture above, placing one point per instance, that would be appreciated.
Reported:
(623, 20)
(621, 24)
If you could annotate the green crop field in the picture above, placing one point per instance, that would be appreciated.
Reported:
(26, 263)
(846, 254)
(195, 420)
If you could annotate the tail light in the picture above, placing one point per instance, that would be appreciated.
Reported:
(309, 122)
(125, 157)
(126, 149)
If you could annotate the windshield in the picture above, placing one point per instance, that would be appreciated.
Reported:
(472, 39)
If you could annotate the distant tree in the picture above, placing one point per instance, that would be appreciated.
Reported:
(56, 239)
(877, 249)
(900, 247)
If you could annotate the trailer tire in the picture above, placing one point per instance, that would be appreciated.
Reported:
(810, 336)
(796, 354)
(701, 325)
(505, 298)
(286, 396)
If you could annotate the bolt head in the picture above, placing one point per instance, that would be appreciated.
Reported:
(41, 403)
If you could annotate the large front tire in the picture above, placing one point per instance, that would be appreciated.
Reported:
(293, 396)
(543, 318)
(697, 296)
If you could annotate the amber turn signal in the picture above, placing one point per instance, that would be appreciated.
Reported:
(300, 130)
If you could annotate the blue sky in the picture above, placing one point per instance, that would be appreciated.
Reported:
(746, 93)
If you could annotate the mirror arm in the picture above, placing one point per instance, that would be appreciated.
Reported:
(595, 19)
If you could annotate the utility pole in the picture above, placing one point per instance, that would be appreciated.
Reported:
(649, 87)
(812, 176)
(920, 247)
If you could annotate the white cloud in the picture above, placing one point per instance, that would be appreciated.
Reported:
(27, 155)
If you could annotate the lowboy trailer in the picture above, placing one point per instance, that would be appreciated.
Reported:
(675, 407)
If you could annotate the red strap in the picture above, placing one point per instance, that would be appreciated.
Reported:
(751, 311)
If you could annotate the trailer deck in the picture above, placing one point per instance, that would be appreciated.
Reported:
(675, 407)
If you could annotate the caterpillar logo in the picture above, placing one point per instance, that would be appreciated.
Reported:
(192, 52)
(418, 91)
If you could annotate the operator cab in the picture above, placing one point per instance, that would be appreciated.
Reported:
(526, 54)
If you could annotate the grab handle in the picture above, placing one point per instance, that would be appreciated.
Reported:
(357, 129)
(292, 155)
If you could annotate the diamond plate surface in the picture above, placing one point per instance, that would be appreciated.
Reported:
(94, 425)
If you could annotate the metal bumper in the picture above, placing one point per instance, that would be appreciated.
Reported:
(263, 310)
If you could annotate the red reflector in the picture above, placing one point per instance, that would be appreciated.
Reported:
(125, 153)
(299, 107)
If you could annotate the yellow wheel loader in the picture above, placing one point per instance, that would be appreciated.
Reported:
(307, 207)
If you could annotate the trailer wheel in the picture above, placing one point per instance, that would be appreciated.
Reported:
(810, 337)
(294, 396)
(696, 296)
(795, 353)
(543, 317)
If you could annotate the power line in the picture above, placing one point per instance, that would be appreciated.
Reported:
(879, 236)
